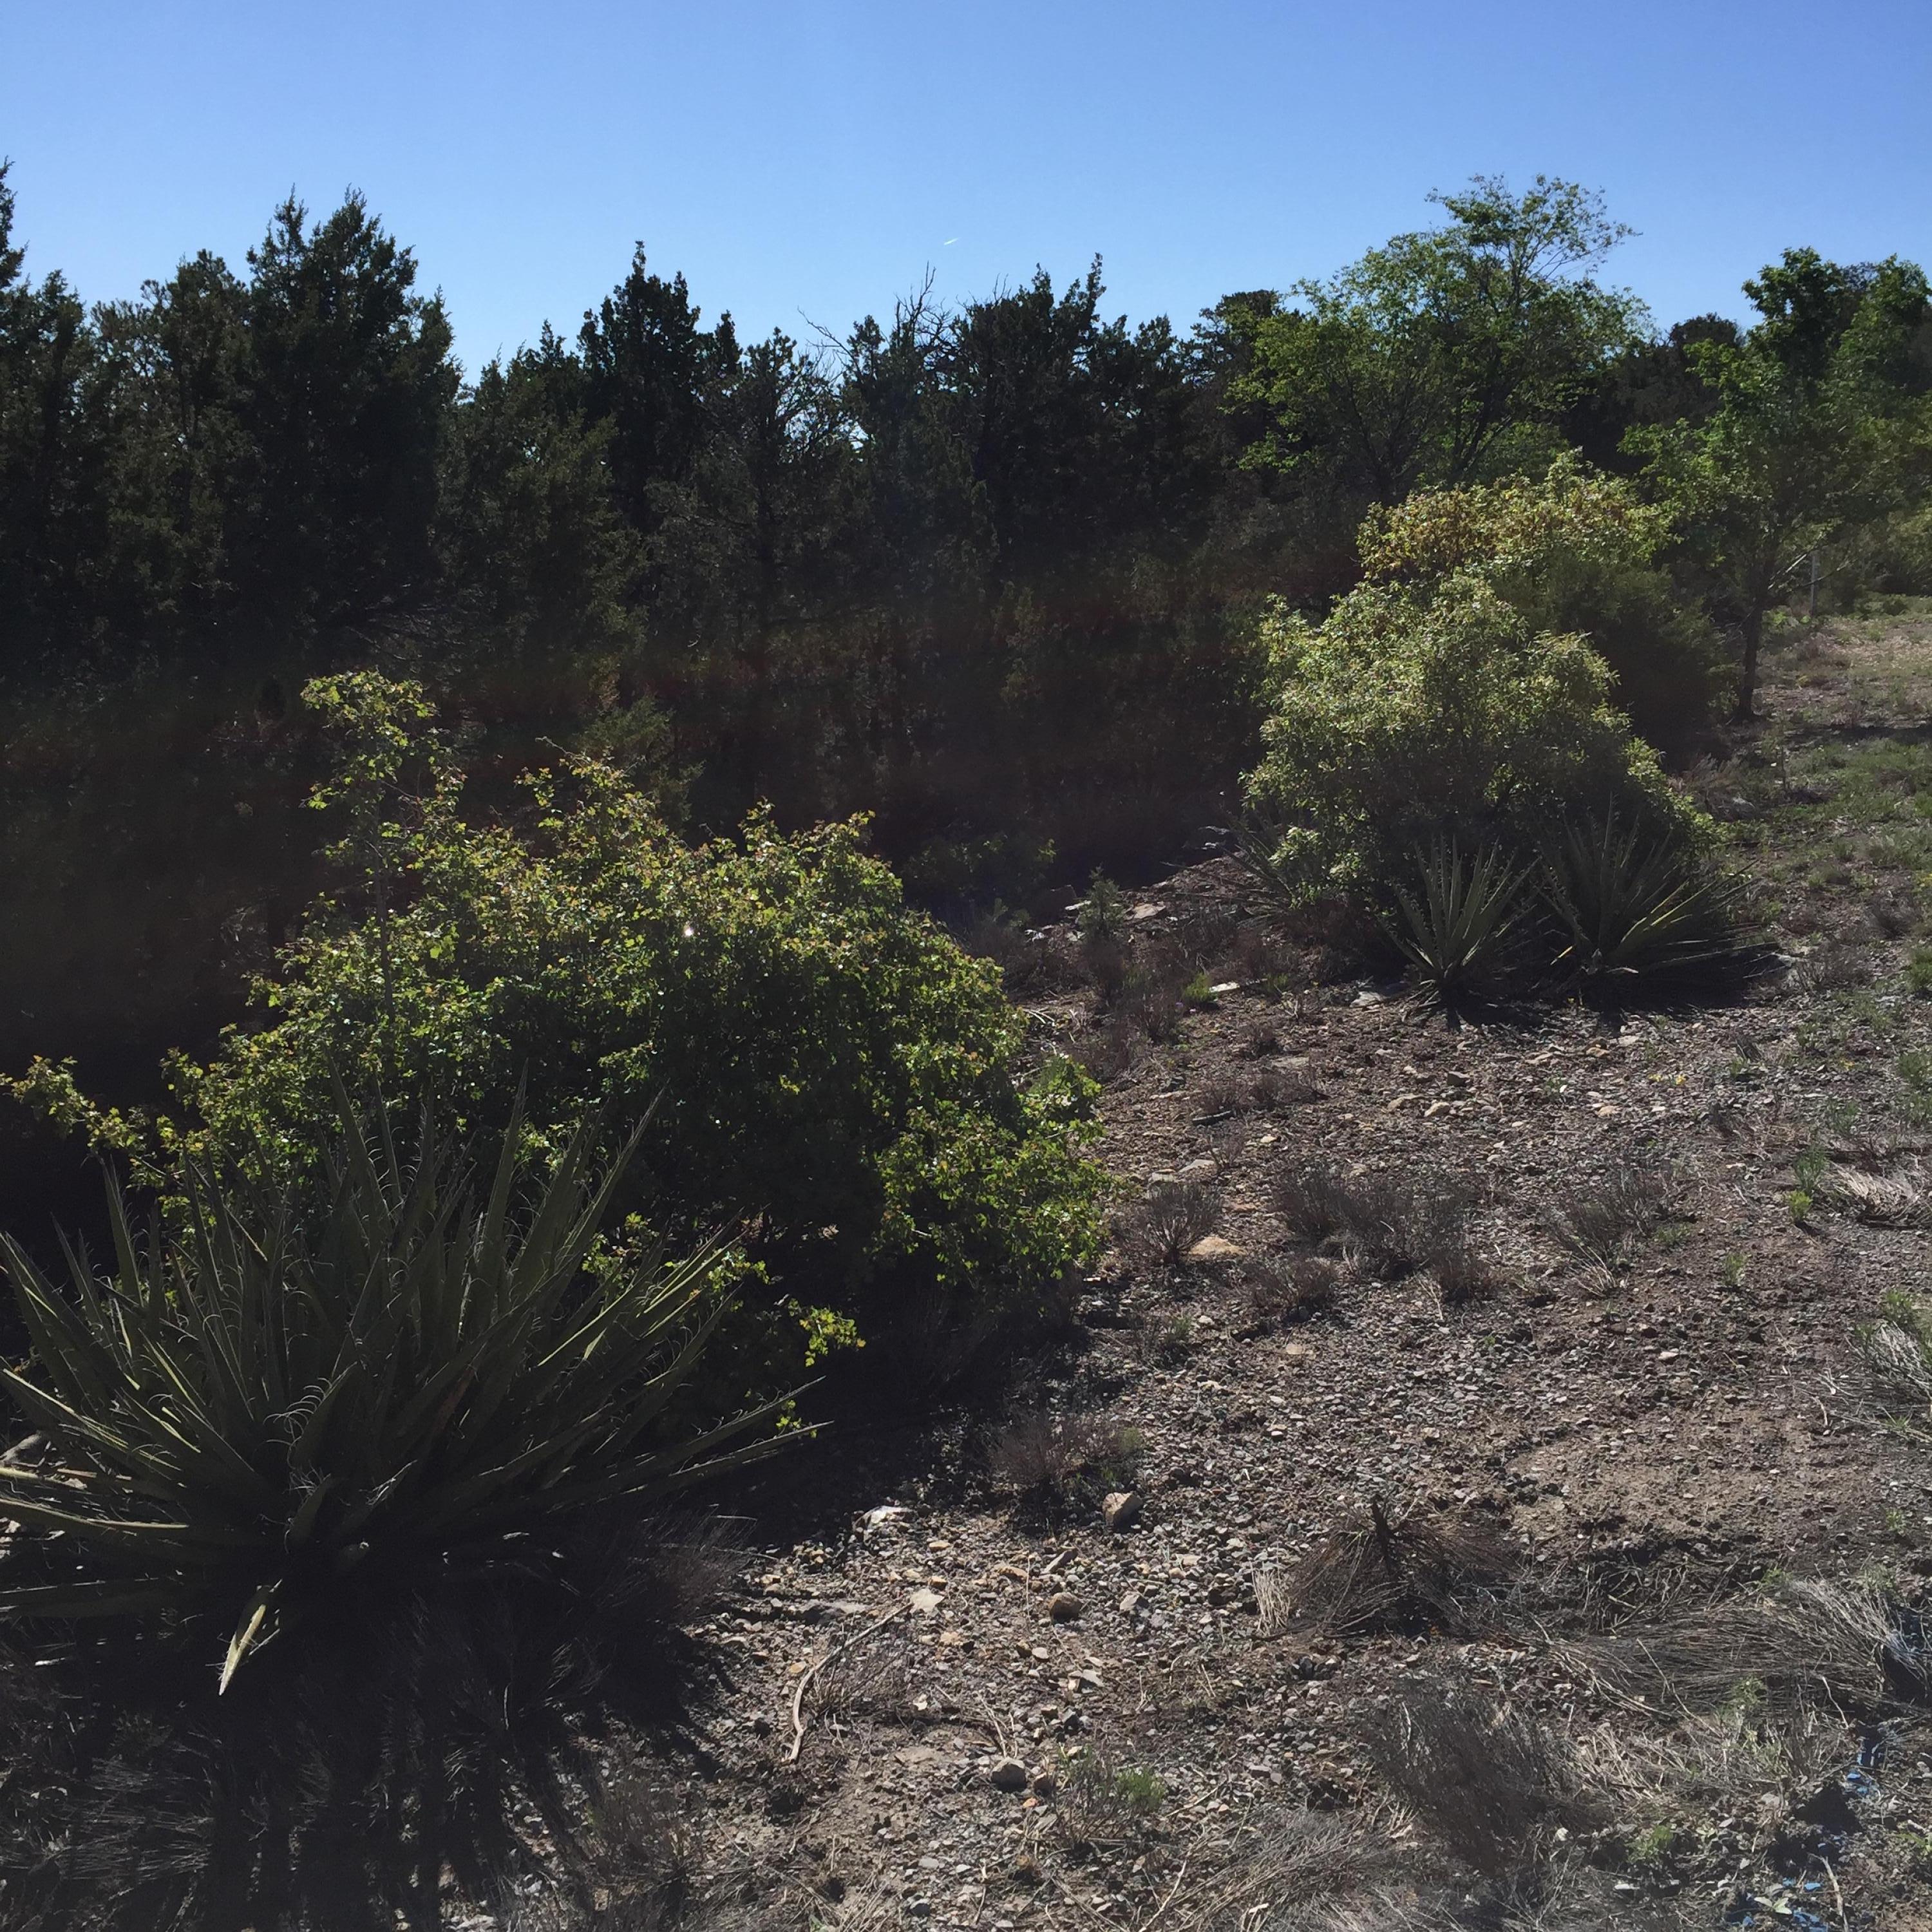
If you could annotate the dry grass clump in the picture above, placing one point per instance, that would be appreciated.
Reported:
(1149, 995)
(1269, 1873)
(1601, 1220)
(1894, 914)
(1378, 1573)
(1259, 1040)
(1176, 1214)
(1055, 1459)
(1109, 1051)
(1292, 1290)
(1846, 1646)
(1485, 1784)
(1103, 1801)
(1390, 1224)
(1836, 967)
(1880, 1200)
(1259, 1093)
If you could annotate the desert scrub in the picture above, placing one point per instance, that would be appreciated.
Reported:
(810, 1057)
(1428, 704)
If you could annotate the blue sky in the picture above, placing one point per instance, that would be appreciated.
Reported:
(804, 161)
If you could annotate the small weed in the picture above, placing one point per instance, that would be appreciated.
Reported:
(1915, 1072)
(1733, 1270)
(1650, 1850)
(1799, 1205)
(1810, 1167)
(1103, 1802)
(1198, 994)
(1918, 970)
(1174, 1340)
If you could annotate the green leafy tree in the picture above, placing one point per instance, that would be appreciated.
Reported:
(1818, 417)
(1445, 354)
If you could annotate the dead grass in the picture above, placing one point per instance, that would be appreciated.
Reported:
(1159, 1232)
(1601, 1221)
(1290, 1290)
(1377, 1573)
(1485, 1784)
(1390, 1225)
(1056, 1458)
(1806, 1644)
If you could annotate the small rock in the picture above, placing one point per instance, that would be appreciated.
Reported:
(1298, 1353)
(1434, 1107)
(1130, 1601)
(1225, 987)
(1198, 1170)
(1215, 1248)
(1043, 1784)
(1121, 1510)
(1063, 1606)
(1006, 1773)
(925, 1602)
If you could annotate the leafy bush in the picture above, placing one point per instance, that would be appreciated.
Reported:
(1457, 932)
(813, 1057)
(1632, 904)
(1428, 705)
(265, 1418)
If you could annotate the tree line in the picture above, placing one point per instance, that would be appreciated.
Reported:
(998, 574)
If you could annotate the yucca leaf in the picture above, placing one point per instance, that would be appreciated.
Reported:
(252, 1629)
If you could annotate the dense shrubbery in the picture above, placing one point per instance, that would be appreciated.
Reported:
(1429, 704)
(812, 1055)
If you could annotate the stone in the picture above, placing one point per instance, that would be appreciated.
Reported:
(1044, 1785)
(925, 1601)
(1198, 1170)
(1298, 1353)
(1006, 1773)
(1130, 1601)
(1121, 1510)
(1215, 1248)
(1064, 1607)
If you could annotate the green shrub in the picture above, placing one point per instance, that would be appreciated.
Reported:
(1918, 970)
(813, 1057)
(1632, 904)
(1104, 912)
(1428, 704)
(266, 1416)
(1458, 931)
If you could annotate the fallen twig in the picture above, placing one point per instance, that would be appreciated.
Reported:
(804, 1682)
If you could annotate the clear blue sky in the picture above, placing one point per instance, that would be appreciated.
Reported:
(811, 158)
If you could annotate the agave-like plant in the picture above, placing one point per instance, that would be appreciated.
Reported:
(260, 1414)
(1458, 931)
(1630, 906)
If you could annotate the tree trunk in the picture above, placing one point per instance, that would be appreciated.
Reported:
(1753, 636)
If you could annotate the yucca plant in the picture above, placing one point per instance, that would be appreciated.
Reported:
(1631, 906)
(261, 1413)
(1458, 931)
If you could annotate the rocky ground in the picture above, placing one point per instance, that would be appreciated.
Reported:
(1095, 1655)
